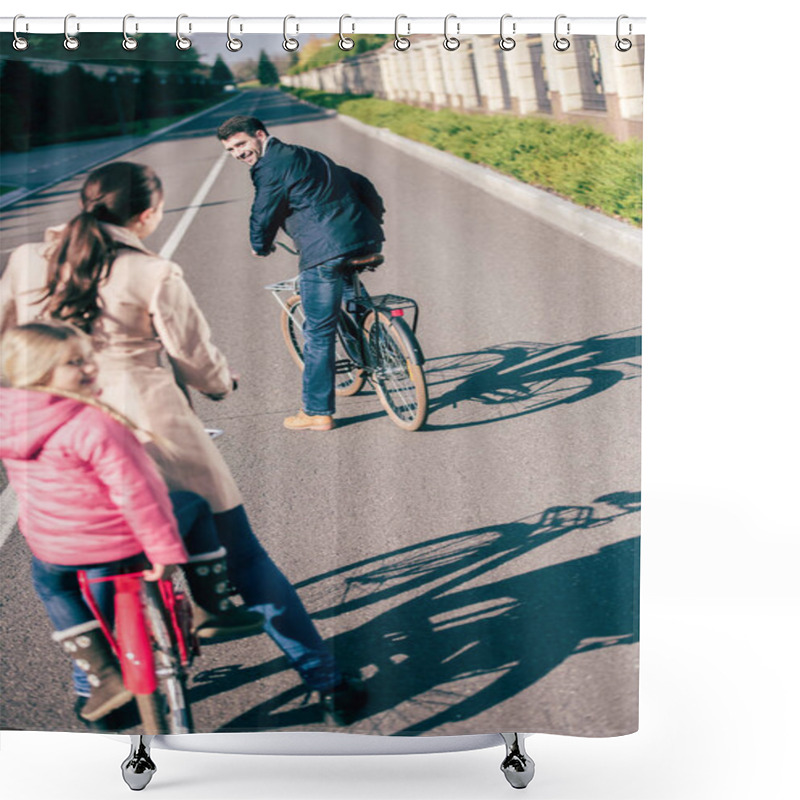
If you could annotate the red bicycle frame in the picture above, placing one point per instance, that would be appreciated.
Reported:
(133, 644)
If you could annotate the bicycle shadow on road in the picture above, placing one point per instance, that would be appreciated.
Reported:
(444, 643)
(511, 380)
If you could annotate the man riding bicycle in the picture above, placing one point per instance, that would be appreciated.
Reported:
(333, 214)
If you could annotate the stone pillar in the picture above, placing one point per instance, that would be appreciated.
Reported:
(564, 80)
(521, 83)
(435, 76)
(491, 70)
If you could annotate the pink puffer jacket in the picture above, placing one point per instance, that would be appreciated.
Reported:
(88, 492)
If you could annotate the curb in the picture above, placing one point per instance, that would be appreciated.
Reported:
(615, 237)
(22, 193)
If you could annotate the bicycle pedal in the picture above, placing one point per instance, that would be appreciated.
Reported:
(343, 366)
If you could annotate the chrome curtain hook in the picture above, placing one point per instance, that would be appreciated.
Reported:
(127, 42)
(290, 45)
(450, 42)
(400, 42)
(623, 45)
(70, 42)
(19, 42)
(345, 43)
(506, 42)
(560, 43)
(233, 44)
(181, 42)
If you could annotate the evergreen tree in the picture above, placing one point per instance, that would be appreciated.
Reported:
(267, 74)
(220, 72)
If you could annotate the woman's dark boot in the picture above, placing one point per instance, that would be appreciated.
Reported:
(215, 615)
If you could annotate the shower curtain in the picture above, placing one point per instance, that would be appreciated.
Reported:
(479, 574)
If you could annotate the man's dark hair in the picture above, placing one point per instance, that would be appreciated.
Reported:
(240, 124)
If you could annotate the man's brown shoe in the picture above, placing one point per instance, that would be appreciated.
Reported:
(303, 422)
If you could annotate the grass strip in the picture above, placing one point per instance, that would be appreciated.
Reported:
(577, 162)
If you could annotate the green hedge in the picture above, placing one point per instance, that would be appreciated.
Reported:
(578, 162)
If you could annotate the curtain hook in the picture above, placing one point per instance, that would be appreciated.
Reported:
(127, 42)
(506, 42)
(623, 45)
(560, 43)
(345, 43)
(400, 42)
(70, 42)
(290, 45)
(19, 43)
(233, 44)
(450, 42)
(181, 42)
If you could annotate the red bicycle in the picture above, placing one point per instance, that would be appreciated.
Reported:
(154, 644)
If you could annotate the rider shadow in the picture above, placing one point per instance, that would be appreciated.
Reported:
(448, 647)
(519, 378)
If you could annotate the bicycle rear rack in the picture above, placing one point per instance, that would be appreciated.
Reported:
(394, 302)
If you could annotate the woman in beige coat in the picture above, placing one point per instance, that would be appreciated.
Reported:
(151, 339)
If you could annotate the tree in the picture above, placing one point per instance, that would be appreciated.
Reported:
(220, 72)
(267, 74)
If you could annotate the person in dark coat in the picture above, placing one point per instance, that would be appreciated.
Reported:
(332, 214)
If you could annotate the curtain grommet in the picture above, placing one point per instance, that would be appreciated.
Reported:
(401, 43)
(233, 44)
(181, 41)
(128, 43)
(345, 43)
(507, 43)
(450, 43)
(19, 43)
(560, 43)
(71, 43)
(288, 44)
(623, 45)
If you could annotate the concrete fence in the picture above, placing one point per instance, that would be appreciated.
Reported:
(590, 82)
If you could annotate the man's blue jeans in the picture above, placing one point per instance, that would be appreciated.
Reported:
(322, 290)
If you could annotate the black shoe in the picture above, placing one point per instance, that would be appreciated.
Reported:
(342, 704)
(119, 719)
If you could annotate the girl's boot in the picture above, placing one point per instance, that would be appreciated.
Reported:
(87, 645)
(215, 615)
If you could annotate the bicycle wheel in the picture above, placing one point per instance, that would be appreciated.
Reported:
(349, 378)
(170, 701)
(399, 382)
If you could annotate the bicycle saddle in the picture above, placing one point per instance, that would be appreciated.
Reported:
(360, 263)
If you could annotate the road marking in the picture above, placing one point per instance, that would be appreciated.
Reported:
(8, 513)
(174, 240)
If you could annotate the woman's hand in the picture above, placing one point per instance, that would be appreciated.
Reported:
(216, 397)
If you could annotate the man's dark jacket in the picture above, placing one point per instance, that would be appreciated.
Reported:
(327, 209)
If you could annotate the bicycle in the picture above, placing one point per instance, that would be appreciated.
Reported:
(154, 644)
(373, 343)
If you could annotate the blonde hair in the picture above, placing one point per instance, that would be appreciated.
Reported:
(32, 351)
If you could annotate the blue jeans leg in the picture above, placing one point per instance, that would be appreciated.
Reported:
(265, 589)
(321, 292)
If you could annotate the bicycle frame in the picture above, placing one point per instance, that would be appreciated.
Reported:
(137, 606)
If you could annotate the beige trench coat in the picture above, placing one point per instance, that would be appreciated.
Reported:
(149, 318)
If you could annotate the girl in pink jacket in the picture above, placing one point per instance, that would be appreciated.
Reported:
(90, 498)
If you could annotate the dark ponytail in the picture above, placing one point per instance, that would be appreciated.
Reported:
(84, 255)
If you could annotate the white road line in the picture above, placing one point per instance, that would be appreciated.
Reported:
(8, 513)
(8, 500)
(174, 240)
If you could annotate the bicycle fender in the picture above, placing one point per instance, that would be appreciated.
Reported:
(404, 331)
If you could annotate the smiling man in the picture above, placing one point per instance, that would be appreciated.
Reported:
(332, 214)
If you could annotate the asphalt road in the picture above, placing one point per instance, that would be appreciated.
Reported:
(480, 569)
